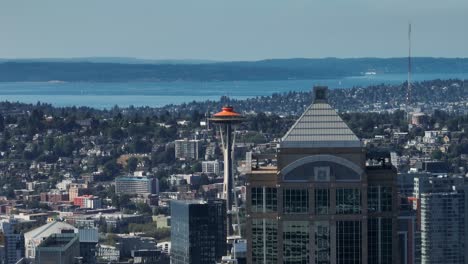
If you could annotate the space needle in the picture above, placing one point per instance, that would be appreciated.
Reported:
(226, 120)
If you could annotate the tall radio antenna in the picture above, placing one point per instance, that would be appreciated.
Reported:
(408, 95)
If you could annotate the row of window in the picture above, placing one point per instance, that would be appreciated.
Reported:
(296, 242)
(296, 201)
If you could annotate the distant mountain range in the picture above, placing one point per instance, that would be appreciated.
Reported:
(134, 70)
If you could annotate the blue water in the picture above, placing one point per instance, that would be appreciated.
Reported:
(107, 95)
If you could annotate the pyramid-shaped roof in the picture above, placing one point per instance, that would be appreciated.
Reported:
(320, 127)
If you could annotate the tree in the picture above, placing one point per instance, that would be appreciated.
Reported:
(437, 154)
(143, 208)
(132, 164)
(111, 168)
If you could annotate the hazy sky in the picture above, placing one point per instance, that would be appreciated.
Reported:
(231, 30)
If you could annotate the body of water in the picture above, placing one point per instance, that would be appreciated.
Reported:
(154, 94)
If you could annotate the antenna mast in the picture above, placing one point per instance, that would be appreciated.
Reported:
(408, 96)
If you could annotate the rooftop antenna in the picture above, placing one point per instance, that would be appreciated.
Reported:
(408, 95)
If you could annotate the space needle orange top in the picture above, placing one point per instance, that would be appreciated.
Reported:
(227, 115)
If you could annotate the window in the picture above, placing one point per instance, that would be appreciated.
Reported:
(322, 173)
(256, 199)
(295, 201)
(322, 201)
(386, 199)
(379, 239)
(264, 241)
(322, 243)
(295, 242)
(373, 241)
(348, 201)
(348, 242)
(263, 199)
(379, 199)
(270, 199)
(373, 198)
(386, 238)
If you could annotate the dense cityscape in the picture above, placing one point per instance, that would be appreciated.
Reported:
(130, 185)
(233, 132)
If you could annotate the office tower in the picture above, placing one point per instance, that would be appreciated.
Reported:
(321, 203)
(198, 231)
(187, 149)
(135, 185)
(13, 240)
(33, 238)
(442, 206)
(409, 235)
(61, 248)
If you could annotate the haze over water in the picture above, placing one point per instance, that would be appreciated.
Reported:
(156, 94)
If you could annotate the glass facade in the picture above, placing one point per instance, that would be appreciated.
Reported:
(379, 199)
(322, 201)
(264, 241)
(348, 242)
(348, 201)
(322, 243)
(263, 199)
(386, 241)
(386, 199)
(198, 231)
(271, 200)
(296, 242)
(379, 240)
(373, 199)
(295, 201)
(256, 199)
(373, 241)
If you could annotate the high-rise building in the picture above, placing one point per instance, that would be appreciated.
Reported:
(198, 231)
(13, 240)
(321, 203)
(61, 248)
(442, 206)
(187, 149)
(442, 228)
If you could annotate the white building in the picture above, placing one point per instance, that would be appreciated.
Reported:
(136, 185)
(187, 149)
(109, 253)
(211, 167)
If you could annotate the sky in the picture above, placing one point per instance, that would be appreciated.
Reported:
(232, 29)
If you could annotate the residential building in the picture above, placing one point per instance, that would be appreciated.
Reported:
(211, 167)
(88, 201)
(321, 203)
(136, 185)
(198, 231)
(186, 149)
